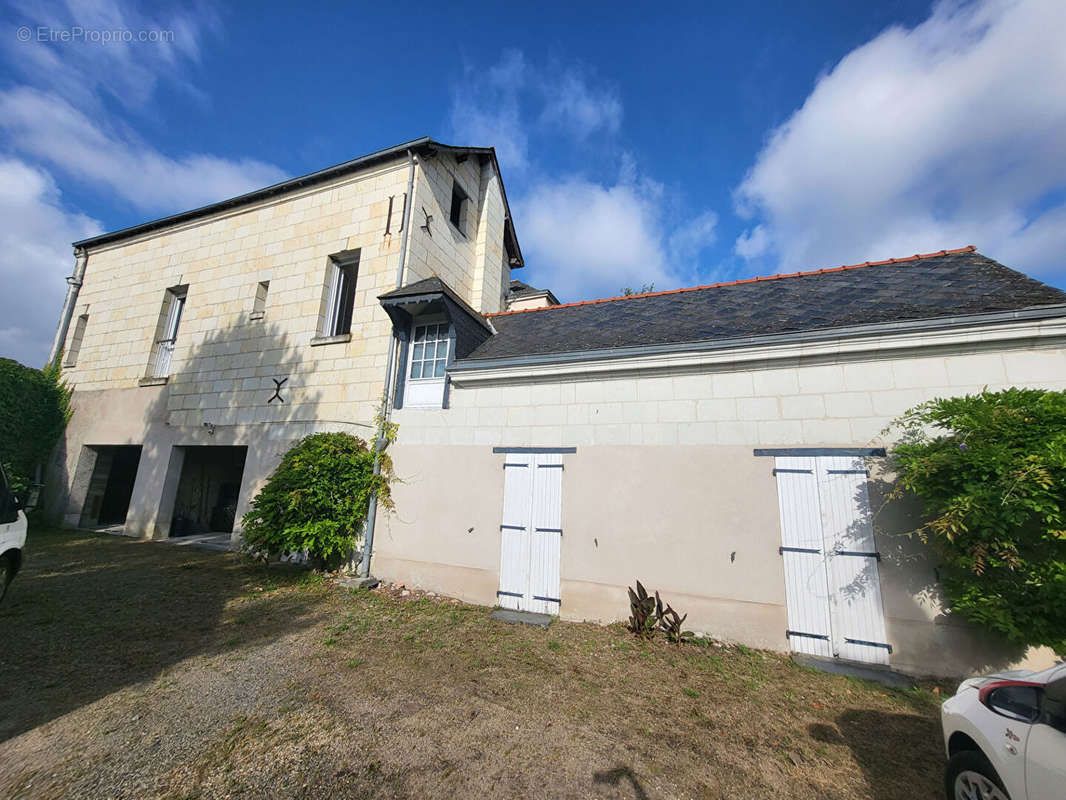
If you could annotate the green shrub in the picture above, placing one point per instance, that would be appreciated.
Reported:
(317, 499)
(991, 472)
(34, 410)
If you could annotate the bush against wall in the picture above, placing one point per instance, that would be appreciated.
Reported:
(991, 472)
(34, 410)
(317, 499)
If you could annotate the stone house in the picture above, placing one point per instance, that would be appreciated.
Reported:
(721, 443)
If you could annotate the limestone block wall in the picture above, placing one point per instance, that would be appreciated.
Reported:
(492, 273)
(226, 358)
(224, 361)
(448, 252)
(831, 404)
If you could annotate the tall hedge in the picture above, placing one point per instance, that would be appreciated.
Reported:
(34, 409)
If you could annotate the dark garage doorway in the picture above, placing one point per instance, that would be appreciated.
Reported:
(208, 490)
(111, 485)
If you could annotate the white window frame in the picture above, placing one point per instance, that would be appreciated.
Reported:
(334, 306)
(164, 346)
(422, 392)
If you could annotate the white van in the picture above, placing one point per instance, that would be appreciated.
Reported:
(12, 534)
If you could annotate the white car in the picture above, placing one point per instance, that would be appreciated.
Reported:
(1005, 736)
(12, 534)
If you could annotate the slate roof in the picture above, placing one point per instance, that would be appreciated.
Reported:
(518, 290)
(433, 286)
(922, 287)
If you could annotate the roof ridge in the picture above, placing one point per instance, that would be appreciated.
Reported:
(917, 256)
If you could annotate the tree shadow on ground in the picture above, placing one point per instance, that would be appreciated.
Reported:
(890, 749)
(618, 775)
(91, 614)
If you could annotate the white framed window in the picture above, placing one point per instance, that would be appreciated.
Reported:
(429, 351)
(170, 321)
(427, 360)
(340, 300)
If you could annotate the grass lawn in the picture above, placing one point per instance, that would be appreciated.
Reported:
(140, 669)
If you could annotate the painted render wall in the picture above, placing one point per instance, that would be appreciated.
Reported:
(665, 487)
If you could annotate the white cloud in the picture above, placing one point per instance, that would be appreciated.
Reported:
(502, 105)
(61, 121)
(52, 130)
(753, 242)
(689, 240)
(581, 237)
(35, 257)
(82, 69)
(584, 239)
(575, 106)
(943, 135)
(485, 110)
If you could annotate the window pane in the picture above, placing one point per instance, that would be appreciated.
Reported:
(431, 350)
(438, 372)
(418, 351)
(442, 348)
(420, 333)
(416, 369)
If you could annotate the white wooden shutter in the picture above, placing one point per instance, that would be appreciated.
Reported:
(547, 533)
(847, 528)
(514, 530)
(832, 587)
(807, 596)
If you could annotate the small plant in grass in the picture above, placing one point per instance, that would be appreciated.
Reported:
(690, 693)
(648, 614)
(642, 619)
(670, 622)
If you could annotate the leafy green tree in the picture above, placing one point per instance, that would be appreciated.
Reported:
(627, 291)
(34, 410)
(317, 499)
(991, 471)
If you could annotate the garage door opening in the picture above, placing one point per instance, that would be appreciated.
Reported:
(210, 484)
(111, 486)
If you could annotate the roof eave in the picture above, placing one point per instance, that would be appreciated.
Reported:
(304, 181)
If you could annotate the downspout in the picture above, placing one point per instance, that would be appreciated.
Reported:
(81, 258)
(372, 512)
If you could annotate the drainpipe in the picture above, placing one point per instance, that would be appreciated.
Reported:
(81, 257)
(372, 512)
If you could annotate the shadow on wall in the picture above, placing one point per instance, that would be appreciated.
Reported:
(911, 588)
(246, 384)
(91, 614)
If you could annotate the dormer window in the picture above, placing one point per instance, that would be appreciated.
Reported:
(428, 358)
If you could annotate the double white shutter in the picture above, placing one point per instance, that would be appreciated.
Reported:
(832, 588)
(531, 532)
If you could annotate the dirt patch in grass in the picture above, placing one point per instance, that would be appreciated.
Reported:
(137, 669)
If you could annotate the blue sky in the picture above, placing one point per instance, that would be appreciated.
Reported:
(703, 143)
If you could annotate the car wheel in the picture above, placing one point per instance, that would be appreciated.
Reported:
(7, 574)
(970, 776)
